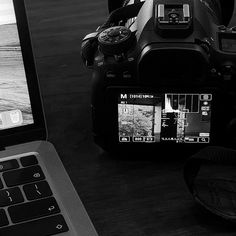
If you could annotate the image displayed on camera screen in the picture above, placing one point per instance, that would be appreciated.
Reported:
(164, 117)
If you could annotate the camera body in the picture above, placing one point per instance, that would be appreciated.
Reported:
(163, 75)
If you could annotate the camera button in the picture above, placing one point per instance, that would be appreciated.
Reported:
(127, 75)
(130, 59)
(233, 29)
(110, 75)
(222, 28)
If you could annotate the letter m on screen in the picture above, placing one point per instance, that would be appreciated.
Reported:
(123, 96)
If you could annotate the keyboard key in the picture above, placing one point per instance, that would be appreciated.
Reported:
(29, 160)
(8, 165)
(47, 226)
(37, 190)
(10, 196)
(23, 176)
(3, 218)
(32, 210)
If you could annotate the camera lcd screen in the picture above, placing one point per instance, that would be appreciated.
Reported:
(164, 117)
(228, 45)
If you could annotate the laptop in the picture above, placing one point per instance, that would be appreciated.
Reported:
(37, 197)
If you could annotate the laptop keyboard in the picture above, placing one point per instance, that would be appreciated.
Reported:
(27, 205)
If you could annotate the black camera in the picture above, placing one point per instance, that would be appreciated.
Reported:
(164, 74)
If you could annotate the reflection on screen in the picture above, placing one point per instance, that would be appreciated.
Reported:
(169, 117)
(15, 107)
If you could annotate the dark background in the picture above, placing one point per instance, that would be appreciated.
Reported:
(122, 197)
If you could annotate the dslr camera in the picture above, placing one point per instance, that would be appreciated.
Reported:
(164, 75)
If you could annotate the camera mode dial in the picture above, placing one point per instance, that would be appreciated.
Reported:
(115, 40)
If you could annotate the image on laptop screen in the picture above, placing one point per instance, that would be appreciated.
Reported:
(15, 107)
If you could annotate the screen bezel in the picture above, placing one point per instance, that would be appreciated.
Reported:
(112, 94)
(37, 130)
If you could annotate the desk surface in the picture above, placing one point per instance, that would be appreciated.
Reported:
(122, 197)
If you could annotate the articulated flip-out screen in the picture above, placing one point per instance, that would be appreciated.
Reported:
(164, 117)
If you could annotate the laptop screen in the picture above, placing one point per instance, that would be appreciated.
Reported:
(21, 111)
(15, 105)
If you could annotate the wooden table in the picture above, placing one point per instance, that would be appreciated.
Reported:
(142, 197)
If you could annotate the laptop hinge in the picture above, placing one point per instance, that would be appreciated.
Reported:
(16, 145)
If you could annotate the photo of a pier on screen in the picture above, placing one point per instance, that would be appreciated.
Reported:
(164, 117)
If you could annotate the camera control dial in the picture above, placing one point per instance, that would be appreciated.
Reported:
(115, 40)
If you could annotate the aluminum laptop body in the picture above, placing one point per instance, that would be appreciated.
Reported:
(37, 197)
